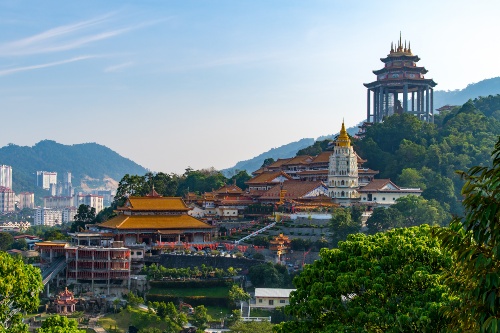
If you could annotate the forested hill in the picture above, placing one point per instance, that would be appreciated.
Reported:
(84, 161)
(458, 97)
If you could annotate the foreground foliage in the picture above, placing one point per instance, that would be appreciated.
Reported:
(59, 324)
(474, 242)
(20, 285)
(388, 282)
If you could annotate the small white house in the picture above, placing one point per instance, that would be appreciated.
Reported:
(271, 297)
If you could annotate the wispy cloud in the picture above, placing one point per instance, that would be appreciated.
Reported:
(118, 68)
(39, 66)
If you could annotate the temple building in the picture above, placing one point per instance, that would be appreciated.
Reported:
(343, 171)
(154, 220)
(400, 75)
(65, 302)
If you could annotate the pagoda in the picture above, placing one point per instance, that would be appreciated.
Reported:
(400, 75)
(65, 302)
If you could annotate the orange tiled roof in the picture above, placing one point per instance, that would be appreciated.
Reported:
(258, 171)
(278, 163)
(229, 189)
(323, 157)
(313, 172)
(155, 203)
(267, 177)
(294, 189)
(367, 171)
(156, 222)
(49, 243)
(301, 159)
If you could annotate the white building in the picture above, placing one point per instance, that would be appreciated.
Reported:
(48, 216)
(7, 200)
(271, 298)
(92, 200)
(26, 200)
(343, 171)
(6, 176)
(383, 193)
(45, 178)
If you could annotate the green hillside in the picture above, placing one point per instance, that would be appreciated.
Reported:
(82, 160)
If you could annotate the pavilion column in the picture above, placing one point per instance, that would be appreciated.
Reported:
(418, 100)
(387, 101)
(432, 104)
(427, 104)
(368, 105)
(381, 103)
(405, 98)
(395, 99)
(413, 101)
(375, 106)
(422, 101)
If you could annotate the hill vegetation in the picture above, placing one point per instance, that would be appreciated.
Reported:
(87, 160)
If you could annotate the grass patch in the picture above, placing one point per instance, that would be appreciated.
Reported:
(133, 316)
(184, 292)
(215, 312)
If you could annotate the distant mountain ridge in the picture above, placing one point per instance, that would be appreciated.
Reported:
(90, 162)
(456, 97)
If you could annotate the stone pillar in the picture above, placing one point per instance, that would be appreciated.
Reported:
(375, 106)
(367, 107)
(387, 101)
(427, 104)
(381, 103)
(405, 98)
(418, 100)
(413, 101)
(432, 104)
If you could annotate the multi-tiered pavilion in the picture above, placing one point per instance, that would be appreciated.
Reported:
(400, 75)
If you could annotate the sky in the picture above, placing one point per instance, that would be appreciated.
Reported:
(177, 84)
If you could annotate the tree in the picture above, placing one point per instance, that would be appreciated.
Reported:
(342, 224)
(252, 327)
(84, 215)
(20, 285)
(240, 178)
(416, 210)
(237, 294)
(133, 300)
(388, 282)
(474, 241)
(268, 161)
(59, 324)
(200, 317)
(383, 219)
(6, 241)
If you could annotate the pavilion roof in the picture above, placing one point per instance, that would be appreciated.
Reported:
(156, 222)
(323, 157)
(155, 203)
(301, 159)
(267, 177)
(229, 189)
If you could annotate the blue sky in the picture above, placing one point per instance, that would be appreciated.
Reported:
(172, 84)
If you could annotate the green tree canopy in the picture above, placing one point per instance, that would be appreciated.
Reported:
(20, 285)
(200, 317)
(474, 242)
(342, 224)
(6, 241)
(252, 327)
(59, 324)
(388, 282)
(237, 293)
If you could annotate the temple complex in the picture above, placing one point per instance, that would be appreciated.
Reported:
(400, 75)
(154, 220)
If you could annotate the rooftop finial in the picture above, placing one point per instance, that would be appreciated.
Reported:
(392, 48)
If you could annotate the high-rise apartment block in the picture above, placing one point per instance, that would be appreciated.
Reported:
(6, 176)
(45, 178)
(26, 200)
(6, 200)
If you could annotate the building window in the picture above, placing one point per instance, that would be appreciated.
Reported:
(394, 199)
(374, 199)
(383, 198)
(260, 300)
(271, 302)
(282, 301)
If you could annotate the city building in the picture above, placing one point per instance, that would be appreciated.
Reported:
(383, 193)
(48, 216)
(26, 200)
(58, 202)
(14, 227)
(400, 75)
(92, 200)
(6, 176)
(7, 200)
(45, 178)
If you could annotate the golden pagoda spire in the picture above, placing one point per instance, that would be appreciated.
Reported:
(409, 47)
(392, 48)
(343, 139)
